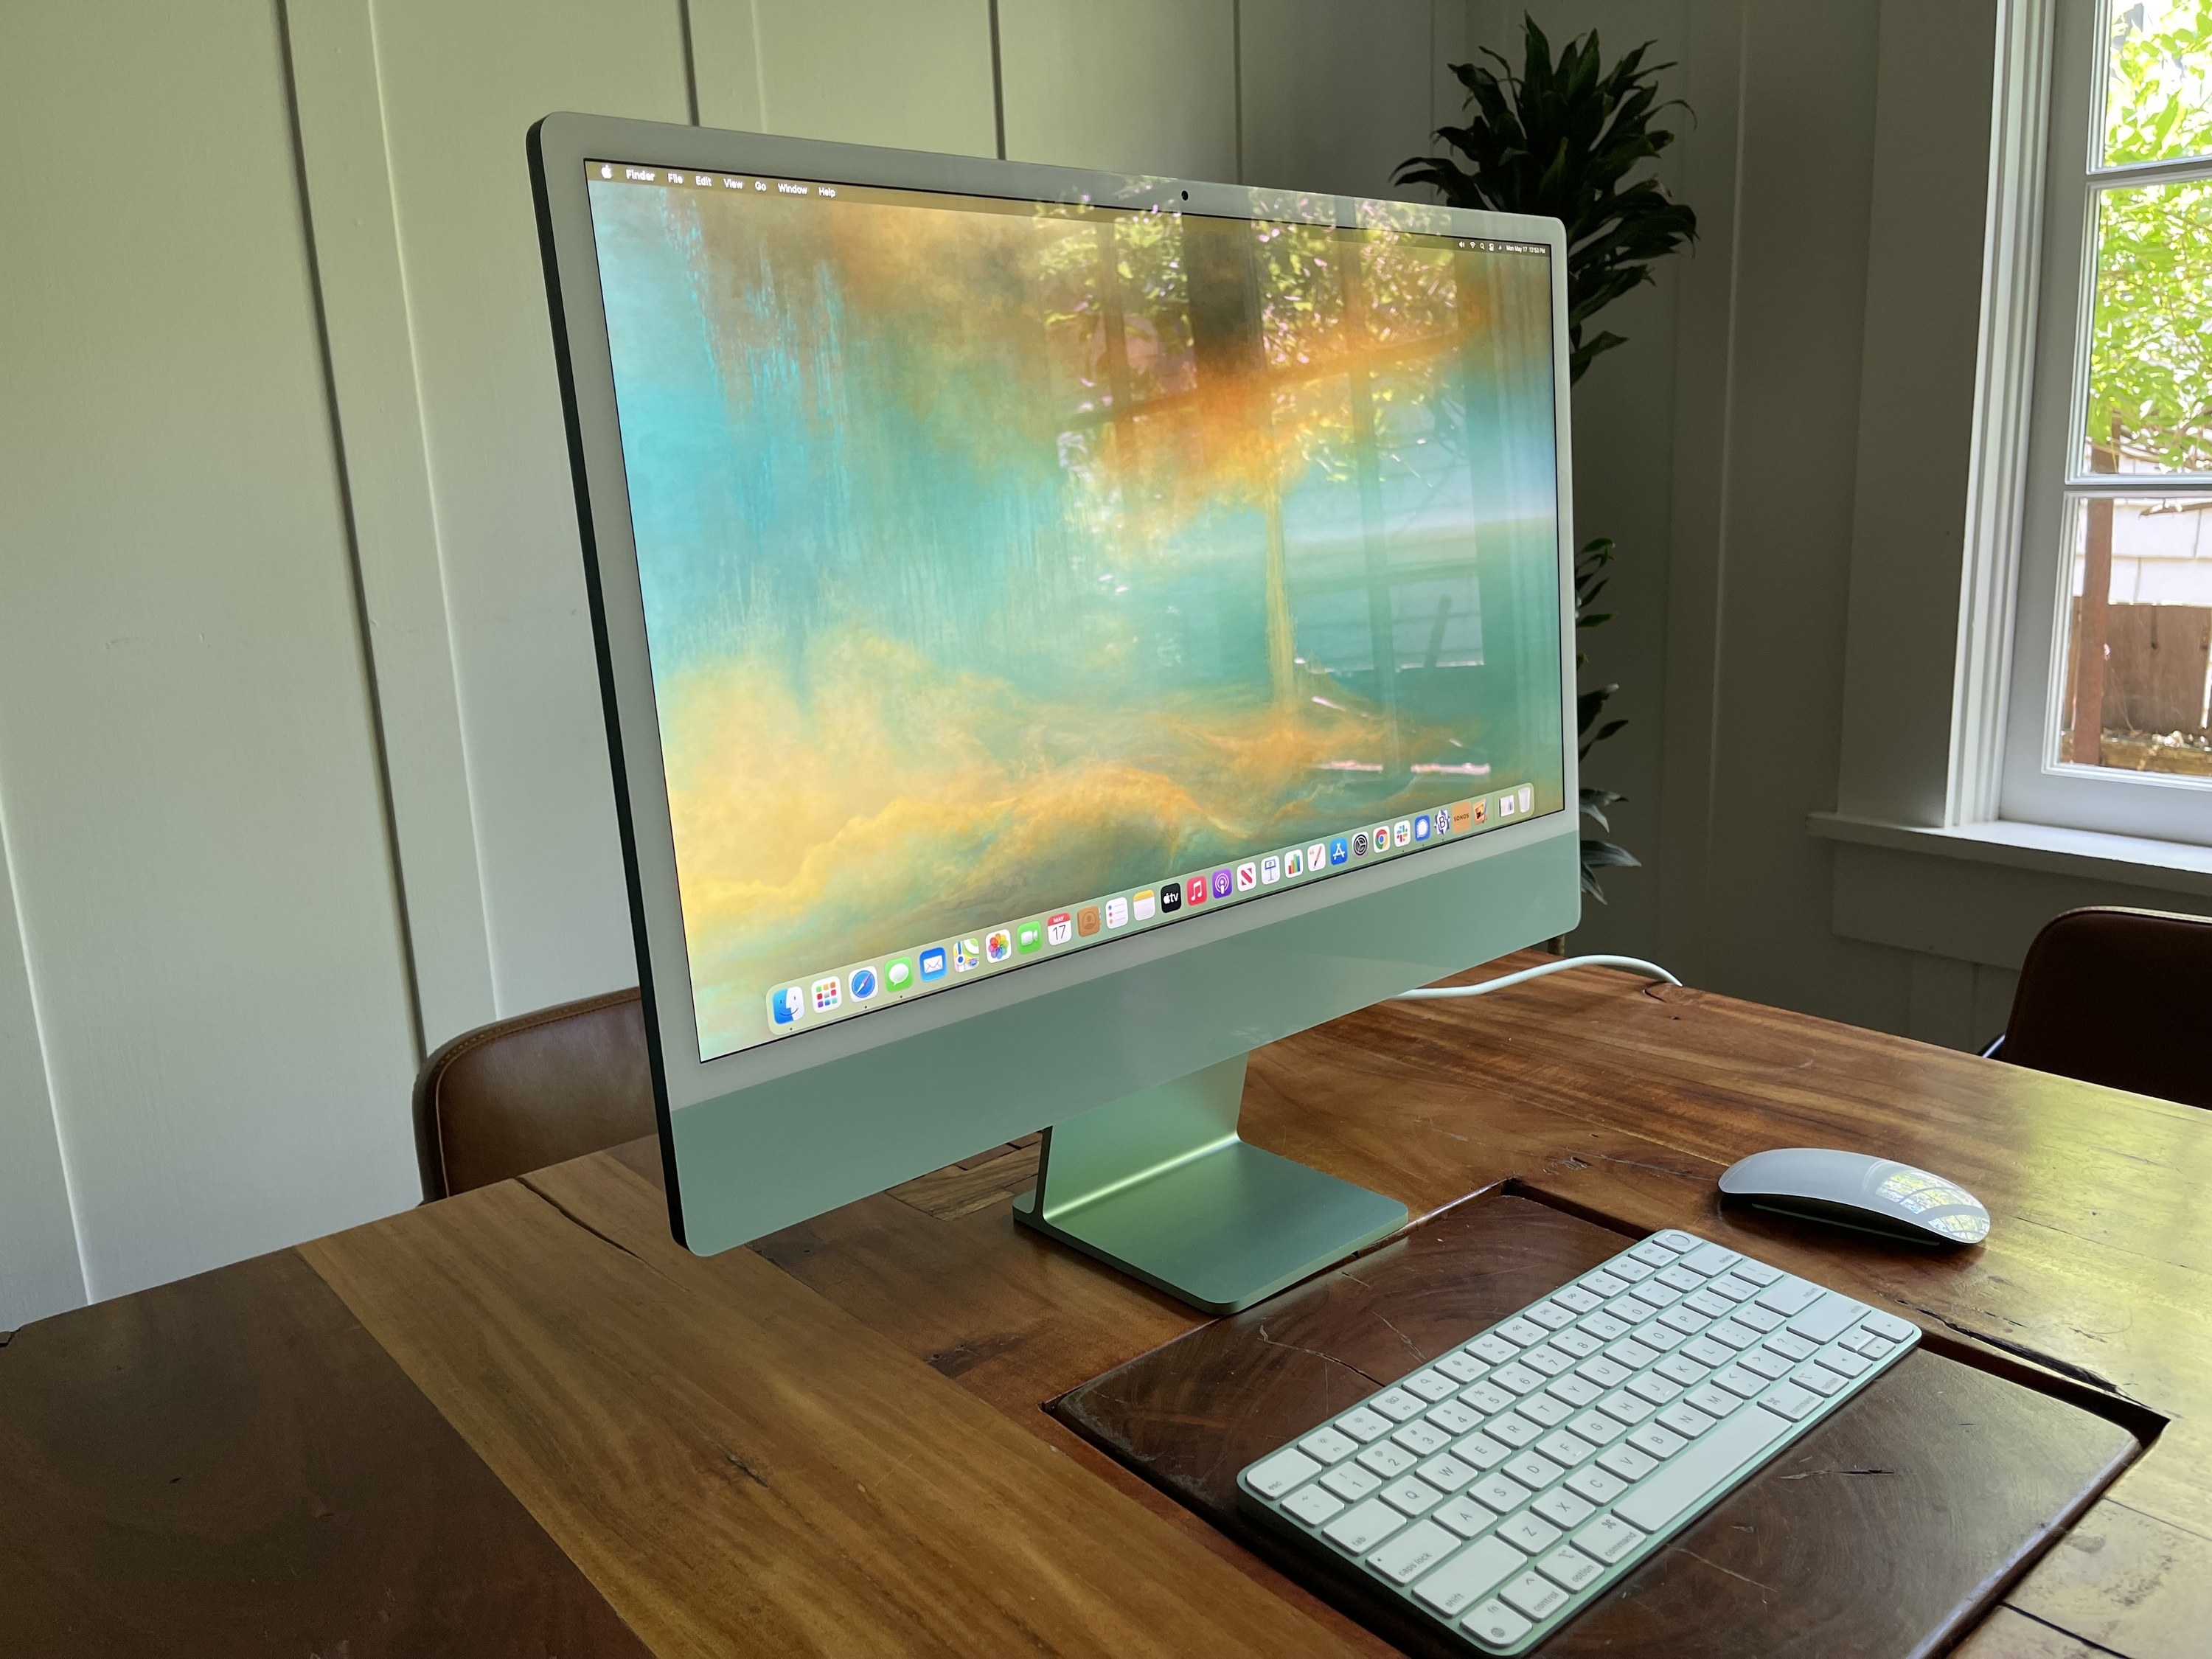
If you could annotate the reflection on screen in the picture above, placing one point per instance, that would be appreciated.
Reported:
(1012, 569)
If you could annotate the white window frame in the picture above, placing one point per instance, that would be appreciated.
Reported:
(2020, 778)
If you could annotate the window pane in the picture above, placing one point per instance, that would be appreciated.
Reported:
(2150, 345)
(2158, 81)
(2139, 636)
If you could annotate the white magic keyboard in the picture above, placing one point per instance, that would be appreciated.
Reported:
(1502, 1488)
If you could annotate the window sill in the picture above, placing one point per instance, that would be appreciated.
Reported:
(2174, 866)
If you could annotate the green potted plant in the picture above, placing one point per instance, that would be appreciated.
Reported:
(1562, 138)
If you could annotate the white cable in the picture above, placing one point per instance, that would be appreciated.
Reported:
(1633, 964)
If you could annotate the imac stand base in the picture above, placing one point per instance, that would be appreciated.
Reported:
(1160, 1186)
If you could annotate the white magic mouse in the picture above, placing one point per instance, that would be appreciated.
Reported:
(1852, 1189)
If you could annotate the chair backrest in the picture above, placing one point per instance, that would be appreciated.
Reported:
(515, 1096)
(2114, 996)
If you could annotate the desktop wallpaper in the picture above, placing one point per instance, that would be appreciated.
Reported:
(997, 556)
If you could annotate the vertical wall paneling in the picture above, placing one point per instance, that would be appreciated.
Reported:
(458, 88)
(395, 531)
(912, 74)
(1126, 86)
(1335, 96)
(39, 1269)
(194, 818)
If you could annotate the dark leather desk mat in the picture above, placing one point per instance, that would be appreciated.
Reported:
(1884, 1533)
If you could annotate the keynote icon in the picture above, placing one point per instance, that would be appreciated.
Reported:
(998, 945)
(1117, 913)
(1271, 871)
(1143, 905)
(1060, 928)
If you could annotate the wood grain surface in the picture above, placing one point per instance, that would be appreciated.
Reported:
(231, 1466)
(1880, 1535)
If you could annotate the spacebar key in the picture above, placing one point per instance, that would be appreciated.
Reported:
(1690, 1476)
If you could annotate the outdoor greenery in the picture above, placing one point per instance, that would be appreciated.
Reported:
(1562, 138)
(2150, 346)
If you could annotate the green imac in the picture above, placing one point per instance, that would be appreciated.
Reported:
(1059, 631)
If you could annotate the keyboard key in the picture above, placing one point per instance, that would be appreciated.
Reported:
(1447, 1474)
(1544, 1409)
(1791, 1401)
(1655, 1388)
(1655, 1441)
(1632, 1353)
(1328, 1446)
(1678, 1368)
(1579, 1343)
(1533, 1472)
(1685, 1420)
(1634, 1272)
(1548, 1360)
(1654, 1253)
(1497, 1493)
(1626, 1407)
(1741, 1381)
(1706, 1352)
(1312, 1505)
(1464, 1517)
(1521, 1331)
(1470, 1576)
(1564, 1448)
(1462, 1366)
(1596, 1427)
(1656, 1336)
(1729, 1334)
(1552, 1316)
(1767, 1363)
(1513, 1429)
(1711, 1401)
(1757, 1272)
(1733, 1287)
(1890, 1327)
(1482, 1451)
(1569, 1568)
(1602, 1285)
(1819, 1378)
(1285, 1470)
(1710, 1259)
(1350, 1482)
(1363, 1426)
(1686, 1319)
(1364, 1526)
(1413, 1552)
(1519, 1379)
(1494, 1625)
(1562, 1509)
(1690, 1480)
(1627, 1462)
(1487, 1397)
(1680, 1278)
(1490, 1348)
(1849, 1364)
(1576, 1299)
(1704, 1307)
(1760, 1318)
(1788, 1296)
(1595, 1484)
(1397, 1405)
(1575, 1390)
(1422, 1438)
(1413, 1497)
(1539, 1598)
(1609, 1538)
(1604, 1327)
(1429, 1386)
(1792, 1348)
(1602, 1371)
(1387, 1459)
(1530, 1532)
(1826, 1319)
(1453, 1418)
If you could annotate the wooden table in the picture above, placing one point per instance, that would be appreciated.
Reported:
(524, 1421)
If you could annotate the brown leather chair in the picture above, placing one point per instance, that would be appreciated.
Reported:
(2115, 996)
(515, 1096)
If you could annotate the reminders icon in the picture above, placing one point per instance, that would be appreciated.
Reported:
(1117, 913)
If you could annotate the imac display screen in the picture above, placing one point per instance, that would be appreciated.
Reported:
(1021, 576)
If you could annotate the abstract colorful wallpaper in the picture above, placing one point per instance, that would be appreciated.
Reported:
(997, 557)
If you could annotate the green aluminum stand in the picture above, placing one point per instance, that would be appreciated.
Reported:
(1160, 1186)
